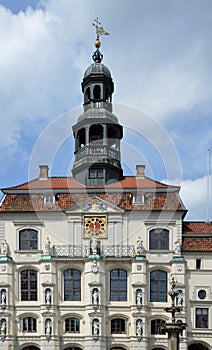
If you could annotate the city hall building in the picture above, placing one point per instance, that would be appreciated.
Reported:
(86, 261)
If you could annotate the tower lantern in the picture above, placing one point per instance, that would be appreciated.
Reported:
(97, 132)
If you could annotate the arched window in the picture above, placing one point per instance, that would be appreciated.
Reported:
(118, 326)
(158, 286)
(87, 95)
(28, 239)
(159, 239)
(96, 134)
(118, 285)
(96, 92)
(28, 285)
(72, 285)
(29, 325)
(156, 327)
(72, 325)
(31, 348)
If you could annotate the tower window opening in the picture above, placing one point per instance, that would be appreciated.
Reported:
(97, 92)
(87, 95)
(107, 95)
(96, 134)
(81, 138)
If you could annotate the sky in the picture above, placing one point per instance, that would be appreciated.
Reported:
(159, 53)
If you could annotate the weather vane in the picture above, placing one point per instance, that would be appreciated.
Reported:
(97, 56)
(99, 29)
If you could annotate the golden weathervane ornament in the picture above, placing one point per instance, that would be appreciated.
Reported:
(99, 31)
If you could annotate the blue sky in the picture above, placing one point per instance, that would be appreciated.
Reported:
(159, 53)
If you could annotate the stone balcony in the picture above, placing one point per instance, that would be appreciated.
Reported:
(72, 251)
(99, 150)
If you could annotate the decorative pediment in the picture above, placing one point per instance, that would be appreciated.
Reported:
(94, 205)
(48, 284)
(4, 285)
(94, 284)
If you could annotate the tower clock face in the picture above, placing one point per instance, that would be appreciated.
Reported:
(95, 226)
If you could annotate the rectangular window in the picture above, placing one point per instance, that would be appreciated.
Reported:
(96, 173)
(202, 318)
(198, 264)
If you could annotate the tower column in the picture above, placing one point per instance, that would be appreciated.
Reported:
(87, 129)
(104, 134)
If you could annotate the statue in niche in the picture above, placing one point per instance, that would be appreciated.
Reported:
(3, 297)
(4, 248)
(94, 245)
(139, 297)
(47, 246)
(140, 247)
(179, 298)
(177, 247)
(3, 327)
(48, 296)
(139, 328)
(96, 327)
(48, 327)
(95, 296)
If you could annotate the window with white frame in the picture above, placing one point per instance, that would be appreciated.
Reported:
(29, 325)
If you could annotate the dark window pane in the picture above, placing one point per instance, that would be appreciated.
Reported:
(29, 285)
(158, 286)
(72, 285)
(159, 239)
(118, 285)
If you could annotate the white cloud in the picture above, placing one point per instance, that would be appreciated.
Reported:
(159, 54)
(197, 197)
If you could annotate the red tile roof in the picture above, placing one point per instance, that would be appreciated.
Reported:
(197, 227)
(128, 182)
(197, 236)
(29, 196)
(35, 201)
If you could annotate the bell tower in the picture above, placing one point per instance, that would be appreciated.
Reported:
(97, 132)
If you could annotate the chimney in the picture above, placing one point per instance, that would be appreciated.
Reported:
(140, 169)
(43, 172)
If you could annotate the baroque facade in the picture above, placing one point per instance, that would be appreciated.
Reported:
(86, 261)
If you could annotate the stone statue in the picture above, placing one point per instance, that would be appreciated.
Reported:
(140, 247)
(47, 246)
(139, 297)
(139, 328)
(3, 297)
(94, 245)
(96, 327)
(48, 296)
(3, 327)
(95, 296)
(4, 248)
(48, 327)
(177, 247)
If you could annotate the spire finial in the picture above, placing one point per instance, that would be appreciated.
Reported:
(97, 56)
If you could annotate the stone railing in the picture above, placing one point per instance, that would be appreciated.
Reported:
(72, 251)
(97, 150)
(118, 251)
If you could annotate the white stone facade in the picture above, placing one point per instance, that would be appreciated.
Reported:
(61, 246)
